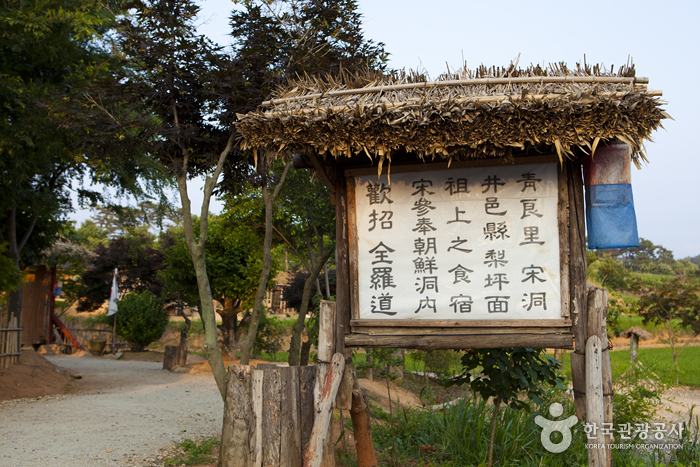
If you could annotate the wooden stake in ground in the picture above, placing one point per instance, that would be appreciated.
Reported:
(594, 401)
(361, 428)
(314, 453)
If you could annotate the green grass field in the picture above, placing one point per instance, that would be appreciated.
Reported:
(659, 360)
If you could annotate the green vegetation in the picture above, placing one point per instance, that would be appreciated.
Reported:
(459, 436)
(141, 319)
(659, 360)
(195, 452)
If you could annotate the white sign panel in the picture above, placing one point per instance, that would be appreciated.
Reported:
(472, 244)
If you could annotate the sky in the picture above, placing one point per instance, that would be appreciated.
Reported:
(661, 39)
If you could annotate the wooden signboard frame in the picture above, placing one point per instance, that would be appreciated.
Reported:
(427, 334)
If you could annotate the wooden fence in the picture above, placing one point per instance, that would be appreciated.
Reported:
(10, 347)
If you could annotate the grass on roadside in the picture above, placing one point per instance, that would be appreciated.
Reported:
(195, 452)
(659, 360)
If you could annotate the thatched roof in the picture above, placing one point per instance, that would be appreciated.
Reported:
(636, 330)
(464, 115)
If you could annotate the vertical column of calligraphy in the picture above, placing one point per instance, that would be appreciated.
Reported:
(460, 303)
(425, 266)
(496, 233)
(382, 277)
(533, 274)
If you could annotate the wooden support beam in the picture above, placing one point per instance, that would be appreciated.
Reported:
(577, 281)
(564, 341)
(343, 282)
(597, 326)
(594, 402)
(322, 172)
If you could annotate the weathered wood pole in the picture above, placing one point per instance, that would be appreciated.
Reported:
(362, 429)
(594, 402)
(577, 282)
(315, 455)
(343, 285)
(597, 326)
(327, 341)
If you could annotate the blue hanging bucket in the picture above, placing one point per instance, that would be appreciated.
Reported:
(610, 218)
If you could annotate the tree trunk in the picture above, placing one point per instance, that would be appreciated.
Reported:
(247, 345)
(196, 248)
(186, 330)
(494, 420)
(295, 344)
(305, 352)
(229, 320)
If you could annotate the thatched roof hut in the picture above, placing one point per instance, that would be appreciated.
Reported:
(486, 113)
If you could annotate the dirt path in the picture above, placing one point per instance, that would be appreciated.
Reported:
(128, 412)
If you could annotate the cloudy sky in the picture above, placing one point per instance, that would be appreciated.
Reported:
(661, 38)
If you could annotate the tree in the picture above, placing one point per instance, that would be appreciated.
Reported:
(179, 97)
(88, 235)
(233, 259)
(47, 51)
(304, 222)
(673, 301)
(648, 257)
(141, 319)
(503, 374)
(9, 275)
(138, 264)
(277, 40)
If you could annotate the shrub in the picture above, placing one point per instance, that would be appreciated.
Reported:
(141, 319)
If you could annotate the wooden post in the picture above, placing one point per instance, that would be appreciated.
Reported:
(597, 326)
(315, 455)
(257, 396)
(290, 419)
(343, 289)
(326, 344)
(594, 401)
(577, 282)
(238, 443)
(634, 345)
(268, 416)
(307, 383)
(326, 348)
(362, 429)
(174, 356)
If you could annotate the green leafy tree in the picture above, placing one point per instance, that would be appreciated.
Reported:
(179, 97)
(48, 50)
(234, 259)
(306, 224)
(504, 373)
(648, 257)
(141, 319)
(88, 235)
(277, 40)
(137, 262)
(675, 305)
(9, 275)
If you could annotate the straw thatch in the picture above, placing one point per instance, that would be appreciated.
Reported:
(464, 115)
(636, 330)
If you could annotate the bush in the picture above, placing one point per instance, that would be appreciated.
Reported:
(141, 319)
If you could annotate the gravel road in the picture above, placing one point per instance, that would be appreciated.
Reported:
(136, 410)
